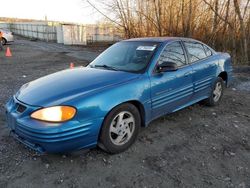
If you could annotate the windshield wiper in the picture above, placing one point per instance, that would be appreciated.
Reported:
(106, 67)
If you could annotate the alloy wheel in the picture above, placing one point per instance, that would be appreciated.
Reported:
(217, 91)
(122, 128)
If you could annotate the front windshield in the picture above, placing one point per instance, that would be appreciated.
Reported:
(131, 56)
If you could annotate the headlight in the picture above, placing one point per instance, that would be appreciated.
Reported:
(54, 114)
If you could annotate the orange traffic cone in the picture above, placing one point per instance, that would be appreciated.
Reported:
(71, 65)
(8, 52)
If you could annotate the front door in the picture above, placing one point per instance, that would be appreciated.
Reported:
(171, 90)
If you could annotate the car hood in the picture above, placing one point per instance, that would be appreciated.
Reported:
(65, 85)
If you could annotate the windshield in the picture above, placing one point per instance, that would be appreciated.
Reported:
(131, 56)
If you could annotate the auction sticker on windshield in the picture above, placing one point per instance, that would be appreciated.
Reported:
(147, 48)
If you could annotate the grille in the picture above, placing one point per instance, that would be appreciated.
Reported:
(20, 108)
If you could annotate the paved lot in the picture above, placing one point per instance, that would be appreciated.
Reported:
(196, 147)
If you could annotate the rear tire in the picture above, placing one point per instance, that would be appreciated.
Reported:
(120, 128)
(217, 93)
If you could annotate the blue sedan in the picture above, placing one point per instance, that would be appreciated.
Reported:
(104, 104)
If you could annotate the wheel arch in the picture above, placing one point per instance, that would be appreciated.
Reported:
(224, 76)
(4, 39)
(141, 109)
(138, 105)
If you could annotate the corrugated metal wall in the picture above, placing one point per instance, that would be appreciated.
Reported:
(4, 25)
(41, 31)
(74, 34)
(69, 34)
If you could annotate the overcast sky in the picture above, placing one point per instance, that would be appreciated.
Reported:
(60, 10)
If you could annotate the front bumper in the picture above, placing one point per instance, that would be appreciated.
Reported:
(50, 137)
(9, 37)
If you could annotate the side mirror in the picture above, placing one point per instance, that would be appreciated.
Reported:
(167, 66)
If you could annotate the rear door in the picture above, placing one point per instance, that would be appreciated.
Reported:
(171, 90)
(204, 68)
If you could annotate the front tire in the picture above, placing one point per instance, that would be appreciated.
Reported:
(4, 41)
(217, 93)
(120, 128)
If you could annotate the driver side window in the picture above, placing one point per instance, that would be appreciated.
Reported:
(173, 53)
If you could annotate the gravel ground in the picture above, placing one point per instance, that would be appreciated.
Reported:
(198, 146)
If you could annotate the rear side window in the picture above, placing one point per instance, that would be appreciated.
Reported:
(208, 51)
(195, 50)
(173, 53)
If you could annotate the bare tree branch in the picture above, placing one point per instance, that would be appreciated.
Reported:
(92, 5)
(219, 16)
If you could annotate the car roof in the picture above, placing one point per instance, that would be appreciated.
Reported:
(166, 40)
(161, 39)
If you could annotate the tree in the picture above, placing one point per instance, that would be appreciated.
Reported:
(224, 24)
